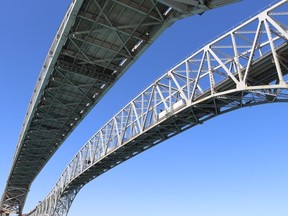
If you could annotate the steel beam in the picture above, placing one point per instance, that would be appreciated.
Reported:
(223, 76)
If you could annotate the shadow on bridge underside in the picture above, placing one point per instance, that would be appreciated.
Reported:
(95, 44)
(246, 66)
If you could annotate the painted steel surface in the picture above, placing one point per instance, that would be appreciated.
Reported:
(95, 44)
(244, 67)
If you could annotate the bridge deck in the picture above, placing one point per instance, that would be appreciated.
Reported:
(263, 73)
(246, 66)
(95, 44)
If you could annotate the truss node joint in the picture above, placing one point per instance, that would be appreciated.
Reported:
(241, 86)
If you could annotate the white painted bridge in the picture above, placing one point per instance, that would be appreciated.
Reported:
(97, 41)
(246, 66)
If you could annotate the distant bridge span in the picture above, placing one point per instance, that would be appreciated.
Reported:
(95, 44)
(246, 66)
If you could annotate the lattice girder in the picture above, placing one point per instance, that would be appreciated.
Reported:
(95, 44)
(246, 66)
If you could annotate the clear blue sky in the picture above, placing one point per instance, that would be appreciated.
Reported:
(233, 165)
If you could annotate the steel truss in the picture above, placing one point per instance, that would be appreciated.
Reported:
(95, 44)
(244, 67)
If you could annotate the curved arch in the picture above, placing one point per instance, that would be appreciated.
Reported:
(95, 44)
(234, 162)
(245, 67)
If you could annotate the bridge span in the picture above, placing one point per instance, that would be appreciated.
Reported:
(246, 66)
(95, 44)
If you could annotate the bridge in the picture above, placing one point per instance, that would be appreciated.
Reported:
(246, 66)
(95, 44)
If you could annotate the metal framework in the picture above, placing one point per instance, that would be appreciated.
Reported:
(95, 44)
(246, 66)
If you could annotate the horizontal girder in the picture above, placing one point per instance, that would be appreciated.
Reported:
(244, 67)
(95, 44)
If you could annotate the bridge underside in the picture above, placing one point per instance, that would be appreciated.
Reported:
(96, 43)
(177, 123)
(93, 165)
(244, 67)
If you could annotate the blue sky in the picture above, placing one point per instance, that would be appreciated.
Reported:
(235, 164)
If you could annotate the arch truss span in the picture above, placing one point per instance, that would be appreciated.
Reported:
(96, 43)
(246, 66)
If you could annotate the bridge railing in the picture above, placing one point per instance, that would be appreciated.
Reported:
(226, 66)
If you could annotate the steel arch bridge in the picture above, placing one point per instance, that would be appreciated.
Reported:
(246, 66)
(95, 44)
